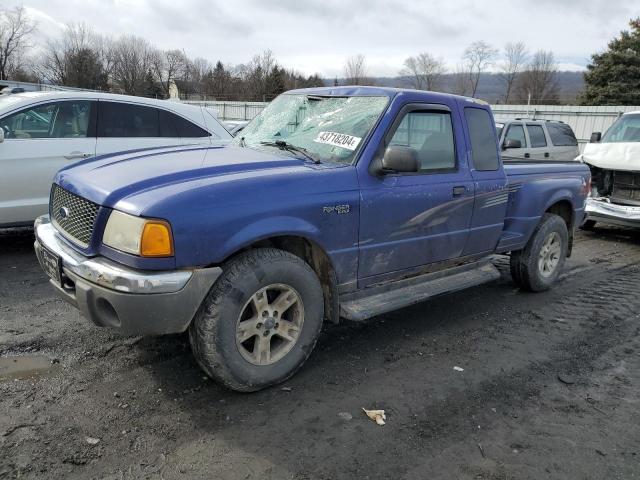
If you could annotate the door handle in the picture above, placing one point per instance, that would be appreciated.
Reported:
(546, 154)
(460, 190)
(526, 155)
(76, 155)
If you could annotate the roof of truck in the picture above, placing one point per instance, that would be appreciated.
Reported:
(358, 90)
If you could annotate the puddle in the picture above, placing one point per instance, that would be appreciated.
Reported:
(26, 366)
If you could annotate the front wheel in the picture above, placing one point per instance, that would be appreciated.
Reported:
(538, 265)
(260, 321)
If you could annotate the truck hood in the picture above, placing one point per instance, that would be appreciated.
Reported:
(613, 156)
(108, 179)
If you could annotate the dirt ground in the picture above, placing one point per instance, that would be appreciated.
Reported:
(550, 387)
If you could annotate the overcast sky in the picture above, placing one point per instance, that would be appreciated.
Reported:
(317, 35)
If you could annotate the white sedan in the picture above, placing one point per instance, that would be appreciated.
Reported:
(41, 132)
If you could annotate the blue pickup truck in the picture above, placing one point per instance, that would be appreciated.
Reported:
(333, 203)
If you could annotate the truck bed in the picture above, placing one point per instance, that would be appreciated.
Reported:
(533, 188)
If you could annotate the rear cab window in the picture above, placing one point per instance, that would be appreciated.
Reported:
(536, 135)
(482, 136)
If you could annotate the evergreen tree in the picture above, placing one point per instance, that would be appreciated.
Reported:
(613, 77)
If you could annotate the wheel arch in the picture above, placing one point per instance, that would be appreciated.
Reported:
(564, 209)
(314, 255)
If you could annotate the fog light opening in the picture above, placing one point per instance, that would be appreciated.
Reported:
(107, 313)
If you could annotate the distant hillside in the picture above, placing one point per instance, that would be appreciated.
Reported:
(490, 87)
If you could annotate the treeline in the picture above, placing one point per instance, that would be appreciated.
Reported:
(131, 65)
(524, 76)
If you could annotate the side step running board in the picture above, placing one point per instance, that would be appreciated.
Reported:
(389, 298)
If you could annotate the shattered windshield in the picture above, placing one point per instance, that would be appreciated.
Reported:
(322, 128)
(625, 129)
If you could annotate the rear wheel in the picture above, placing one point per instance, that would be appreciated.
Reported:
(260, 321)
(538, 265)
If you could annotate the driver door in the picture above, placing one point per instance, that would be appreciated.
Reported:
(39, 141)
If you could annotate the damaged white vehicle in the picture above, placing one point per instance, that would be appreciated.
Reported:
(614, 159)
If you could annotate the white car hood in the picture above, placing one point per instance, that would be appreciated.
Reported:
(613, 156)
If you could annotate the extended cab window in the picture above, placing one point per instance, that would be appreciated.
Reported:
(561, 135)
(124, 120)
(431, 135)
(68, 119)
(536, 135)
(484, 149)
(516, 132)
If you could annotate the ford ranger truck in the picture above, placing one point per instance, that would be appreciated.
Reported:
(344, 202)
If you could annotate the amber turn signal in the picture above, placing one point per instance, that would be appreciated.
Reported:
(156, 240)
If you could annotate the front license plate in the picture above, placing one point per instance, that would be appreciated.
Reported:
(51, 265)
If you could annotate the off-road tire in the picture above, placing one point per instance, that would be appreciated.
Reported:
(524, 263)
(212, 332)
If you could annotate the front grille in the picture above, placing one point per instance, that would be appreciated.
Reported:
(73, 215)
(626, 188)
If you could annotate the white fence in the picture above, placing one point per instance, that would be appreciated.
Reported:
(232, 110)
(583, 120)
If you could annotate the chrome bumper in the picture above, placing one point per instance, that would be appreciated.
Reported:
(600, 210)
(112, 295)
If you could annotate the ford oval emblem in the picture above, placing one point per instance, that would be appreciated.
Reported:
(64, 212)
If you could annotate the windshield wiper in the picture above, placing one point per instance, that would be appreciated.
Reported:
(282, 145)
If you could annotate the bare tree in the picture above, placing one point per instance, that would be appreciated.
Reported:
(355, 70)
(15, 31)
(424, 71)
(78, 59)
(515, 57)
(169, 66)
(539, 81)
(477, 57)
(460, 80)
(132, 61)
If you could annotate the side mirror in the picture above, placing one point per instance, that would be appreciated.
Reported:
(511, 143)
(400, 159)
(595, 137)
(1, 134)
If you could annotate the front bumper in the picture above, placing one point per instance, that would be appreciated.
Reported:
(112, 295)
(601, 210)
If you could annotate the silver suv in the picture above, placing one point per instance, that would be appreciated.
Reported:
(537, 140)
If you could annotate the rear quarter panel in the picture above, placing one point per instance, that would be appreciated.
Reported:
(533, 189)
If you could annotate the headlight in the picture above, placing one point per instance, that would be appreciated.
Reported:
(139, 236)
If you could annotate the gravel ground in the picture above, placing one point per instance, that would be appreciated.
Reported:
(550, 387)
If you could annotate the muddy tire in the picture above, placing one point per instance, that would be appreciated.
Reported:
(260, 321)
(538, 265)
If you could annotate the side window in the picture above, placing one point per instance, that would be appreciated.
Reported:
(431, 135)
(516, 132)
(484, 149)
(536, 135)
(172, 125)
(69, 119)
(124, 120)
(561, 135)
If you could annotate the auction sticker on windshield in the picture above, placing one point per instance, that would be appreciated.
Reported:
(338, 140)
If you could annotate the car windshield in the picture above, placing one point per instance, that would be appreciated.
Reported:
(625, 129)
(325, 128)
(499, 128)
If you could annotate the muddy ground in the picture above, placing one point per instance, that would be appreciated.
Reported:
(550, 388)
